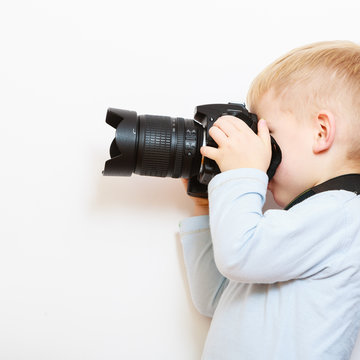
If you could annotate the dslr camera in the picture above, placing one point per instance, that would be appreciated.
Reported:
(165, 146)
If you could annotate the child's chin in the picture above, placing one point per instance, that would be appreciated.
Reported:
(277, 198)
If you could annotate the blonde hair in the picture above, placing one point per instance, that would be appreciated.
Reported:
(313, 77)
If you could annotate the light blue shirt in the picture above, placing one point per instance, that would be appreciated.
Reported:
(279, 285)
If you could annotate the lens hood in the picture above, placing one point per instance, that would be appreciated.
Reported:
(123, 147)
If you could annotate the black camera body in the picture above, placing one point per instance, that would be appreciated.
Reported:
(165, 146)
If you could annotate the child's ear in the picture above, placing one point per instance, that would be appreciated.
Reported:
(324, 131)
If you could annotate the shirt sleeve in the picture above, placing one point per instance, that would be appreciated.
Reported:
(205, 281)
(279, 245)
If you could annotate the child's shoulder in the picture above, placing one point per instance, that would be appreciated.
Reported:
(338, 202)
(331, 200)
(333, 206)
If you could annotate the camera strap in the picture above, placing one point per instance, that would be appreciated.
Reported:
(349, 182)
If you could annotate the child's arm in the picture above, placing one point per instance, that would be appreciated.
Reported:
(205, 281)
(249, 246)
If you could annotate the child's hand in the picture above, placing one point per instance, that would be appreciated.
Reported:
(239, 146)
(201, 206)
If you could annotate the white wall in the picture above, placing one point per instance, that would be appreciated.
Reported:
(90, 266)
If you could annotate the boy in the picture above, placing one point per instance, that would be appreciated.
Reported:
(284, 284)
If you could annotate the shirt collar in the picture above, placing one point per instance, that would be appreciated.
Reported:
(349, 182)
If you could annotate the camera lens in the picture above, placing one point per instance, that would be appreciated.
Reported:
(153, 145)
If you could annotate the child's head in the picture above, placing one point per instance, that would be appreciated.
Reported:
(311, 100)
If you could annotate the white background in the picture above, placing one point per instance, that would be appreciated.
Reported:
(90, 266)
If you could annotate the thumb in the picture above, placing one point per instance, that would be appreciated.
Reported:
(263, 132)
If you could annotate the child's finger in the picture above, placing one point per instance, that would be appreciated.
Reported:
(239, 124)
(226, 125)
(209, 152)
(263, 132)
(218, 135)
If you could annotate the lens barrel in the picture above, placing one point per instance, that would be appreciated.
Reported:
(153, 145)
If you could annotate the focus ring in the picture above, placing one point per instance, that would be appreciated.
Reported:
(154, 146)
